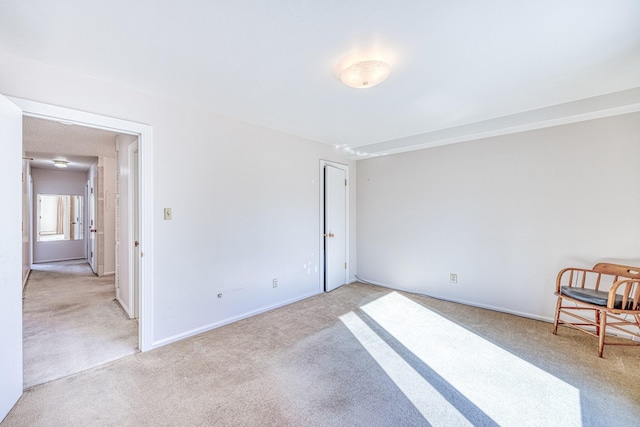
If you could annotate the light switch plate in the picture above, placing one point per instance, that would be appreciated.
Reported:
(167, 214)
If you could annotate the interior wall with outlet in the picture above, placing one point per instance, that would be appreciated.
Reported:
(504, 214)
(245, 201)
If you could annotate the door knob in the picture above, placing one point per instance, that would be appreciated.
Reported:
(328, 235)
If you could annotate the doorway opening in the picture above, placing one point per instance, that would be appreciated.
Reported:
(143, 134)
(334, 225)
(74, 315)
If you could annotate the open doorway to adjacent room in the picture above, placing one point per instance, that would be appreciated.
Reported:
(80, 308)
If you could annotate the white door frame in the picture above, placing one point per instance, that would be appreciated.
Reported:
(145, 170)
(345, 168)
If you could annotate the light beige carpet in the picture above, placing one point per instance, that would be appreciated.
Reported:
(71, 322)
(358, 356)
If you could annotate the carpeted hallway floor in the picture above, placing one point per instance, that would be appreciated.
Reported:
(358, 356)
(71, 322)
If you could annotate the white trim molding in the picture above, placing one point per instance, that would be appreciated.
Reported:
(597, 107)
(227, 321)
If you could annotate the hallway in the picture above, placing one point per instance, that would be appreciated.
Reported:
(71, 322)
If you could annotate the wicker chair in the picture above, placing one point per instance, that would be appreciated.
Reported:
(609, 294)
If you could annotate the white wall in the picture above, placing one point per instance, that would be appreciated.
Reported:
(505, 213)
(245, 201)
(47, 181)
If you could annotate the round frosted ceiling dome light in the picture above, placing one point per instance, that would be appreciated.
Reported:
(365, 74)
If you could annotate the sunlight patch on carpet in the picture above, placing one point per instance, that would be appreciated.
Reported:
(431, 404)
(509, 390)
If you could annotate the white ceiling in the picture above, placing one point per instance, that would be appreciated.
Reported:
(39, 160)
(46, 140)
(460, 68)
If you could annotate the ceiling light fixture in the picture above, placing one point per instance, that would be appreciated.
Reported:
(365, 74)
(60, 163)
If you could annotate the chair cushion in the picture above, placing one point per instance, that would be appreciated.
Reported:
(591, 296)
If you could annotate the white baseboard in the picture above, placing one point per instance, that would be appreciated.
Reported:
(227, 321)
(465, 302)
(26, 277)
(124, 306)
(547, 319)
(56, 260)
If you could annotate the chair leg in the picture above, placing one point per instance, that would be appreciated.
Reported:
(603, 327)
(557, 317)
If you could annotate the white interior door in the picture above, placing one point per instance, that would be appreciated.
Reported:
(135, 229)
(128, 225)
(10, 260)
(335, 227)
(93, 226)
